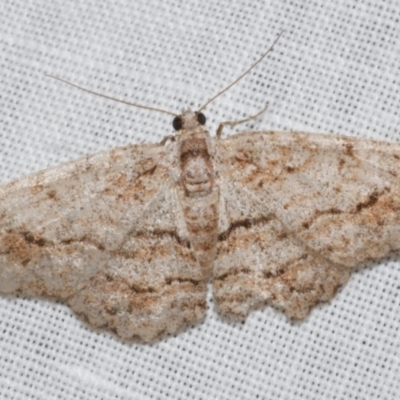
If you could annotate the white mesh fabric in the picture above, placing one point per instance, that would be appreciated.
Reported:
(335, 70)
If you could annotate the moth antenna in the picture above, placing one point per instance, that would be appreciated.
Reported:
(112, 98)
(241, 76)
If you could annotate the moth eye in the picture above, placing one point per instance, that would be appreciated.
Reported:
(201, 118)
(177, 123)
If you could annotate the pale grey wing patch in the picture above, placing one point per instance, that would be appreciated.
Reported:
(238, 205)
(322, 190)
(34, 267)
(384, 156)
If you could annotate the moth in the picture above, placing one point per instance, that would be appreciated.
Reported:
(129, 238)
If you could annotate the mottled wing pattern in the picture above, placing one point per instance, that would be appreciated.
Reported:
(316, 207)
(103, 234)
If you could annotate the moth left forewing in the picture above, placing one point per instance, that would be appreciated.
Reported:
(335, 199)
(102, 234)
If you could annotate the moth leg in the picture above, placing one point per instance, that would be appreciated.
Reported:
(234, 123)
(166, 138)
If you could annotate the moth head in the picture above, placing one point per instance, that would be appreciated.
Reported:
(188, 120)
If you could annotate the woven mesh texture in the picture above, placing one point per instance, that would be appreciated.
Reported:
(335, 70)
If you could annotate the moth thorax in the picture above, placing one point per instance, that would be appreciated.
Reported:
(196, 167)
